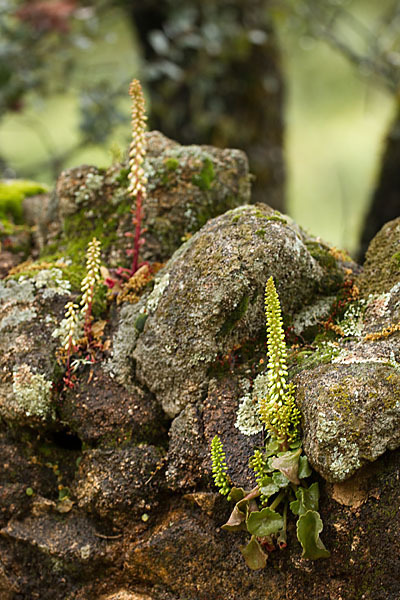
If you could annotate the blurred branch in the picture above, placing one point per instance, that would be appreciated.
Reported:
(379, 54)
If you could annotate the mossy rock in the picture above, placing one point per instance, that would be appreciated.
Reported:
(381, 271)
(187, 185)
(351, 415)
(208, 300)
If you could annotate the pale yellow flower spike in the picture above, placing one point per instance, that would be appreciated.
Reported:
(277, 408)
(92, 276)
(72, 325)
(137, 149)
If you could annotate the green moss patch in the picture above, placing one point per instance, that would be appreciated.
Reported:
(13, 193)
(206, 176)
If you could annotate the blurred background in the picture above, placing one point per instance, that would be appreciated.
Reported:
(309, 89)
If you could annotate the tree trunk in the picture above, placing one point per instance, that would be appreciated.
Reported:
(213, 73)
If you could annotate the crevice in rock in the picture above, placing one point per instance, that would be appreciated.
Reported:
(66, 439)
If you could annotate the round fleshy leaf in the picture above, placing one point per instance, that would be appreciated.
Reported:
(265, 522)
(254, 555)
(307, 499)
(304, 468)
(280, 479)
(268, 487)
(309, 526)
(288, 464)
(236, 521)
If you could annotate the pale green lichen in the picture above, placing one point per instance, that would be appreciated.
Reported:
(16, 316)
(51, 280)
(344, 459)
(155, 296)
(14, 293)
(352, 322)
(88, 191)
(33, 393)
(327, 429)
(247, 417)
(312, 315)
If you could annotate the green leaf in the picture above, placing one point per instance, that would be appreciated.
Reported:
(264, 522)
(237, 494)
(268, 487)
(254, 555)
(309, 526)
(236, 521)
(288, 464)
(295, 445)
(280, 479)
(271, 448)
(307, 499)
(304, 467)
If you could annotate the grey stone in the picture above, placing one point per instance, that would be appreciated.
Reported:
(209, 298)
(351, 415)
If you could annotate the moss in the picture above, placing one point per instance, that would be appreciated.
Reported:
(74, 246)
(260, 232)
(206, 176)
(171, 163)
(321, 254)
(140, 322)
(382, 265)
(235, 219)
(333, 276)
(235, 316)
(396, 259)
(13, 193)
(276, 218)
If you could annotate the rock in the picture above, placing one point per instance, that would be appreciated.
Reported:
(381, 269)
(351, 415)
(186, 450)
(106, 490)
(102, 413)
(219, 417)
(185, 539)
(209, 300)
(28, 316)
(351, 406)
(187, 186)
(126, 595)
(123, 481)
(70, 541)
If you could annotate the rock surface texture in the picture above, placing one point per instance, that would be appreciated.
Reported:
(106, 489)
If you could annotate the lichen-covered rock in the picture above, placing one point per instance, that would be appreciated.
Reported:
(381, 269)
(351, 415)
(28, 316)
(209, 299)
(119, 482)
(102, 496)
(351, 404)
(187, 185)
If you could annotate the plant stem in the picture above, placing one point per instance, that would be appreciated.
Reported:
(255, 492)
(282, 534)
(278, 499)
(138, 223)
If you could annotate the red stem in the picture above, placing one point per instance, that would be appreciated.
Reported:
(138, 223)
